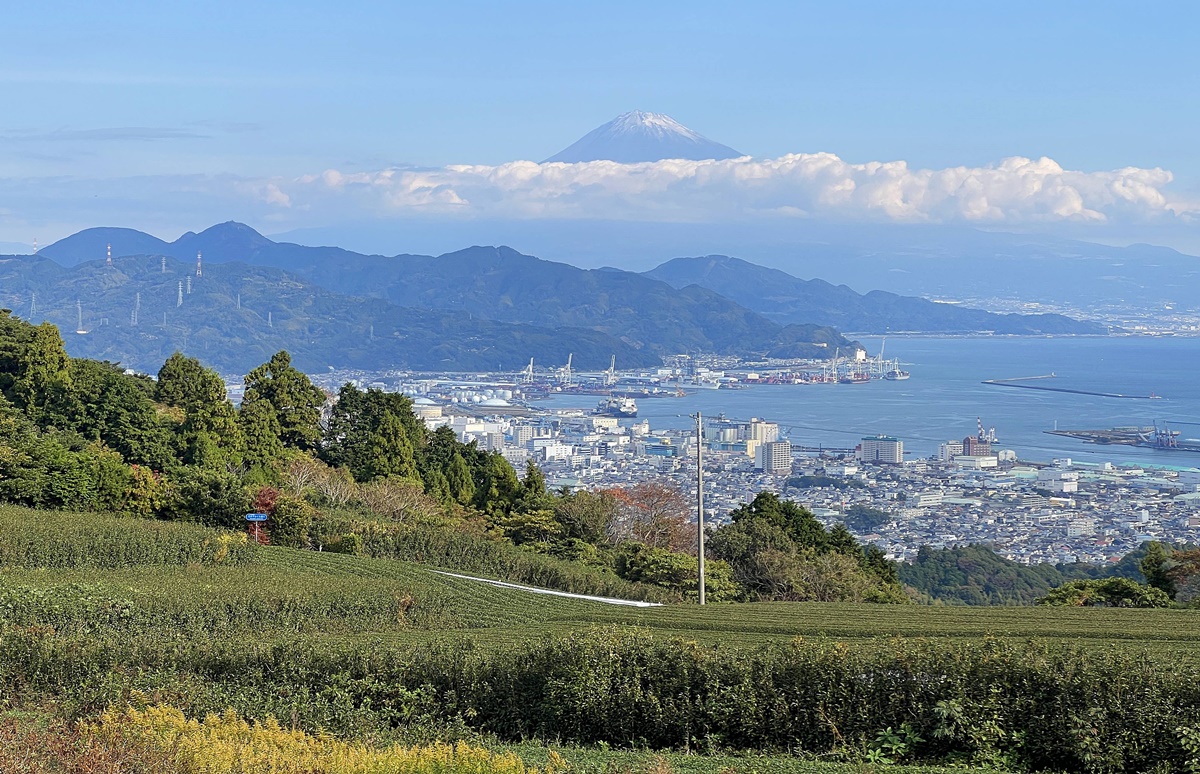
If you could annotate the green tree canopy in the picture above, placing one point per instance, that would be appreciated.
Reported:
(295, 401)
(797, 522)
(373, 434)
(1107, 592)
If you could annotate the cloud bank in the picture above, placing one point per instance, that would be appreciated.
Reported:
(818, 185)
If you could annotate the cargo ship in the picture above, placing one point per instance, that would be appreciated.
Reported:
(621, 408)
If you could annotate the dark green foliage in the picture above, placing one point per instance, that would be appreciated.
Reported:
(805, 482)
(1108, 592)
(43, 469)
(210, 497)
(976, 575)
(185, 383)
(865, 519)
(497, 488)
(1156, 567)
(459, 482)
(40, 370)
(295, 401)
(586, 515)
(778, 550)
(373, 434)
(210, 434)
(261, 431)
(675, 571)
(291, 520)
(796, 522)
(107, 405)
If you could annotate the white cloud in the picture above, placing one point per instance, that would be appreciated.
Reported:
(817, 185)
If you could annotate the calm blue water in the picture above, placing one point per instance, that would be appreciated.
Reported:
(945, 395)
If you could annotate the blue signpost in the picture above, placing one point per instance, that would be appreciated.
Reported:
(256, 519)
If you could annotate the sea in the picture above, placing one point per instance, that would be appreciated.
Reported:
(945, 398)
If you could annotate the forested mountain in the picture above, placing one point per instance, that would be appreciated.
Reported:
(787, 299)
(497, 283)
(236, 315)
(977, 575)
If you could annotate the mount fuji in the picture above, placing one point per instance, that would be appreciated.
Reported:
(638, 136)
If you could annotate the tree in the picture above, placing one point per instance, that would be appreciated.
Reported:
(497, 486)
(290, 522)
(41, 375)
(184, 382)
(210, 435)
(1156, 567)
(587, 516)
(534, 483)
(797, 522)
(458, 479)
(675, 571)
(400, 500)
(656, 515)
(863, 518)
(295, 401)
(1107, 592)
(206, 496)
(260, 429)
(373, 434)
(105, 404)
(536, 526)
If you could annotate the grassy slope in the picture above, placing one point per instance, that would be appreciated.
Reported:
(166, 582)
(281, 592)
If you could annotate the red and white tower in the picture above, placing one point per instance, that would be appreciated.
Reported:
(109, 261)
(198, 268)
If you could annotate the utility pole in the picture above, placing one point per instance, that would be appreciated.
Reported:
(700, 503)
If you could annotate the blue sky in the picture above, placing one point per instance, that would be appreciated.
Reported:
(168, 117)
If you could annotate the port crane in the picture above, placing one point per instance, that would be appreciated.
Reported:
(985, 436)
(564, 374)
(610, 376)
(527, 374)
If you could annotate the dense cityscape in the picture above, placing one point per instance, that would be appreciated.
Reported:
(974, 490)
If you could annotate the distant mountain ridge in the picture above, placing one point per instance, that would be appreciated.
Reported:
(543, 309)
(785, 299)
(236, 315)
(639, 137)
(499, 283)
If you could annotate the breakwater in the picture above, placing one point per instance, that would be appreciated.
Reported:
(1019, 383)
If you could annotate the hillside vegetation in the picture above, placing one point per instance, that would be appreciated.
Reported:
(132, 590)
(205, 620)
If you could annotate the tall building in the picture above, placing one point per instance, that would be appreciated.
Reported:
(974, 446)
(949, 450)
(773, 457)
(881, 448)
(763, 432)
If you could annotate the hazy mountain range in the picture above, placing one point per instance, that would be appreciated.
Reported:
(473, 309)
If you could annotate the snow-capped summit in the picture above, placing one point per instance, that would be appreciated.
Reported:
(638, 136)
